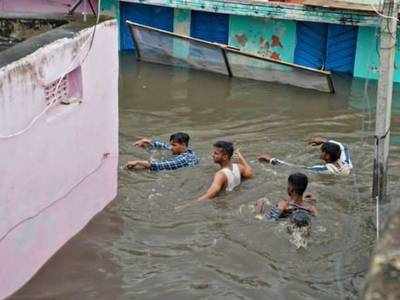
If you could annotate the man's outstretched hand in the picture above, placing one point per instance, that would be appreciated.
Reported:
(265, 158)
(142, 143)
(137, 164)
(316, 141)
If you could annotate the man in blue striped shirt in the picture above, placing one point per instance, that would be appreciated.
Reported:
(298, 206)
(335, 155)
(183, 156)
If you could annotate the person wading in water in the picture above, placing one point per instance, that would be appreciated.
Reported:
(335, 155)
(229, 176)
(182, 155)
(296, 207)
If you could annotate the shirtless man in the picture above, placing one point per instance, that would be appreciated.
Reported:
(335, 155)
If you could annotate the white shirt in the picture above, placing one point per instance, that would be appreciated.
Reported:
(233, 177)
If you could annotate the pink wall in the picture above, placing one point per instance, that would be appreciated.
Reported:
(41, 6)
(60, 157)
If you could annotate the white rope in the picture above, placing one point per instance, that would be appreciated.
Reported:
(69, 69)
(382, 15)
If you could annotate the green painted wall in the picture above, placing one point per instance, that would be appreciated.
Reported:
(182, 18)
(110, 7)
(182, 21)
(367, 59)
(270, 38)
(271, 10)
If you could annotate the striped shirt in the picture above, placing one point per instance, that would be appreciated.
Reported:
(185, 159)
(343, 166)
(275, 213)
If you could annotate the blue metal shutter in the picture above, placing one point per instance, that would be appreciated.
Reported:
(150, 15)
(211, 27)
(341, 48)
(311, 44)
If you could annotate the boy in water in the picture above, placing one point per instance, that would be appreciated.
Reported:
(183, 156)
(335, 155)
(297, 208)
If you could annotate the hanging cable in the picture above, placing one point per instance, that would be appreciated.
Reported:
(70, 190)
(381, 14)
(69, 69)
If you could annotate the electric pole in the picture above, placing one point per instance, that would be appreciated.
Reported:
(384, 100)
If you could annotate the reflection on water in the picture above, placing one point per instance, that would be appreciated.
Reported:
(141, 248)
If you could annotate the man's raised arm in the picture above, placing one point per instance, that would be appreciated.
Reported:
(246, 171)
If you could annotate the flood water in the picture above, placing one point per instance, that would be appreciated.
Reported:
(139, 247)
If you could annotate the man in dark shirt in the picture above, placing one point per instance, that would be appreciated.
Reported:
(296, 207)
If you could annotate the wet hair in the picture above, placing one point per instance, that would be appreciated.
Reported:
(299, 182)
(332, 149)
(227, 147)
(180, 137)
(300, 218)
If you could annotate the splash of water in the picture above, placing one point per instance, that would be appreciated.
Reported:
(299, 236)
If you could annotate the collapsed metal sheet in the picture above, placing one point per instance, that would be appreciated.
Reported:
(245, 65)
(164, 47)
(159, 46)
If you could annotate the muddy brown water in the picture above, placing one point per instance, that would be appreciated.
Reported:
(139, 247)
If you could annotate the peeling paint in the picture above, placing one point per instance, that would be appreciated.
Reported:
(275, 55)
(275, 41)
(265, 37)
(272, 10)
(241, 39)
(264, 44)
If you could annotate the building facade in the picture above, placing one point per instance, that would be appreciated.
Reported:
(310, 34)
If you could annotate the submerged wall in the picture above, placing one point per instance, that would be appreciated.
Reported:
(333, 40)
(56, 174)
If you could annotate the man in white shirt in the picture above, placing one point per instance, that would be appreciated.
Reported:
(335, 155)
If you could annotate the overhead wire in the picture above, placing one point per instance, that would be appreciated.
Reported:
(68, 69)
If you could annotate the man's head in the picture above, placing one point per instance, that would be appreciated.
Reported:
(179, 142)
(297, 184)
(223, 152)
(330, 152)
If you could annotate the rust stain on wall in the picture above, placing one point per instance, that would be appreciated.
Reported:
(275, 55)
(264, 44)
(276, 41)
(241, 39)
